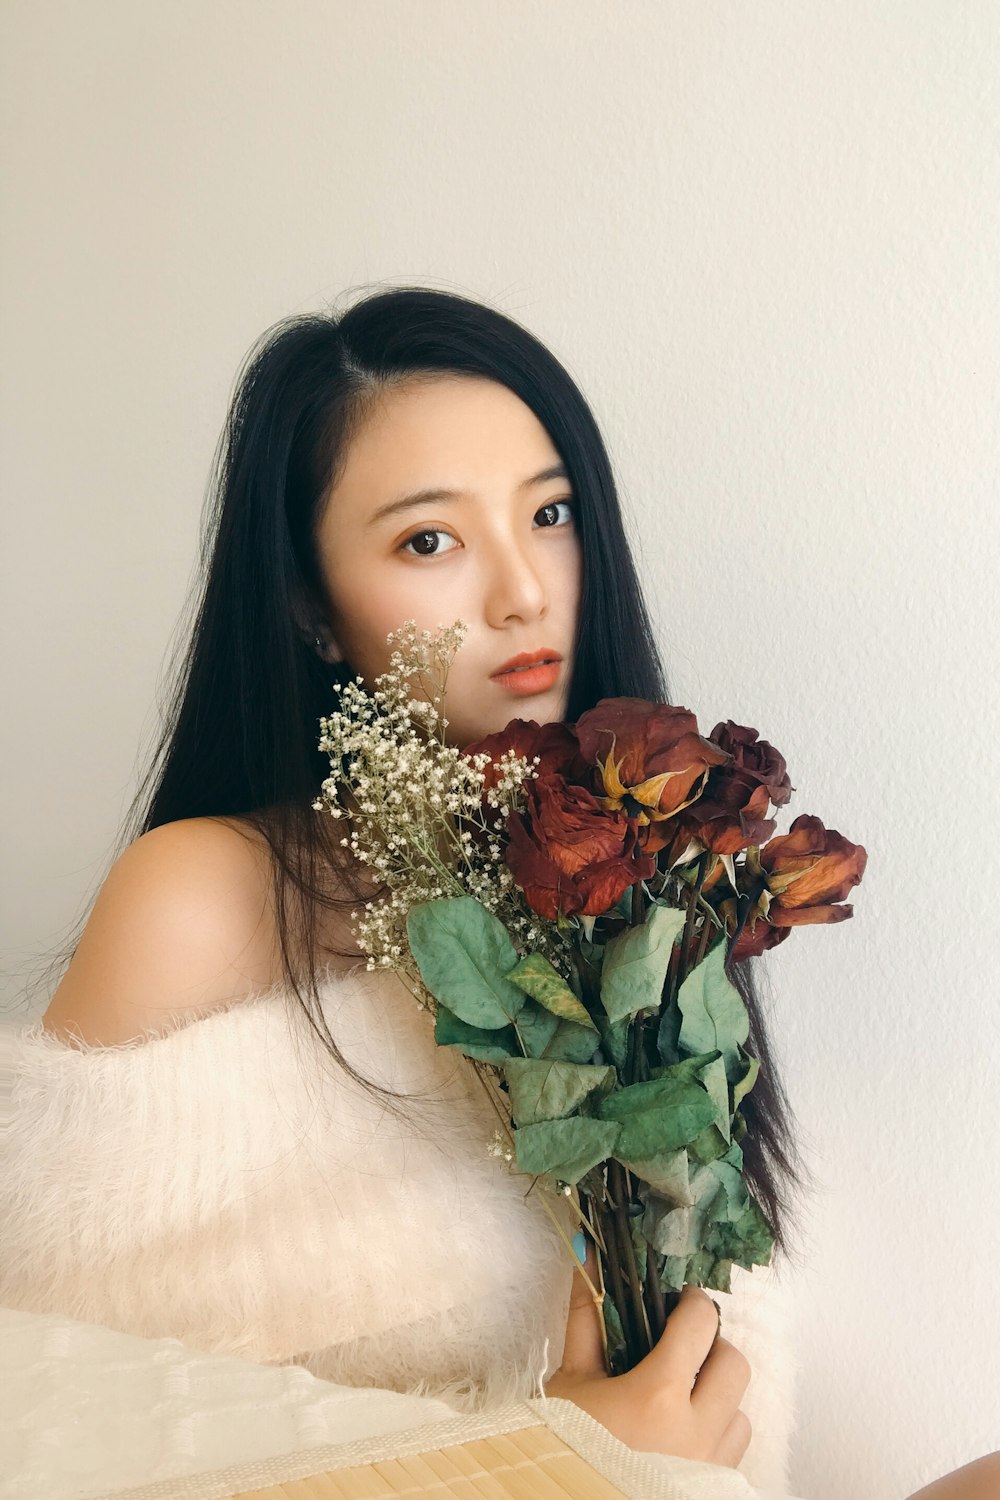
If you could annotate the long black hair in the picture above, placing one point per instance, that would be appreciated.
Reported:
(241, 730)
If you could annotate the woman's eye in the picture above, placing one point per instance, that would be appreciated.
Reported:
(420, 536)
(554, 506)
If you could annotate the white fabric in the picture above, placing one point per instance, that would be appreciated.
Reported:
(87, 1413)
(227, 1186)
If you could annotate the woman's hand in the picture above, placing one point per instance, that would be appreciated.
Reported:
(682, 1399)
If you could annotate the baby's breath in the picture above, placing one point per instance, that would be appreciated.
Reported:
(414, 807)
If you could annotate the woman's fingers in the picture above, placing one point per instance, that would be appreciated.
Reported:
(684, 1346)
(583, 1351)
(724, 1376)
(734, 1442)
(682, 1398)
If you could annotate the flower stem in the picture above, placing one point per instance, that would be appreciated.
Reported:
(692, 905)
(613, 1265)
(639, 1340)
(653, 1296)
(706, 929)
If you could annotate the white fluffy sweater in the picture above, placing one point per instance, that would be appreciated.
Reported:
(227, 1185)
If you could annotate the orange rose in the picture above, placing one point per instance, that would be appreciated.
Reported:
(797, 879)
(808, 869)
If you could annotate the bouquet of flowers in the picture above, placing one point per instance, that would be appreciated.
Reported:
(566, 899)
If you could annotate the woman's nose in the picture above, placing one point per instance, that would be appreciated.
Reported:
(516, 588)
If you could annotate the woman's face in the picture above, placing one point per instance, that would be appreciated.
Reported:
(502, 554)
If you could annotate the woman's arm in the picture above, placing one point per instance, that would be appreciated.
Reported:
(979, 1480)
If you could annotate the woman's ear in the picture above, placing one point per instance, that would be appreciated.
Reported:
(316, 633)
(319, 637)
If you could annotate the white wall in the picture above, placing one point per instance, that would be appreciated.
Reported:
(765, 239)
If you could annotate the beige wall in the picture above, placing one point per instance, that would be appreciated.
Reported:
(764, 237)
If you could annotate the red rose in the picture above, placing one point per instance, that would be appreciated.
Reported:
(752, 942)
(555, 744)
(731, 813)
(568, 854)
(652, 761)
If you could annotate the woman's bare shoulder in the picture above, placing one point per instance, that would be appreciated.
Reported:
(182, 923)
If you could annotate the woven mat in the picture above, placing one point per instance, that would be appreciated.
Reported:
(532, 1464)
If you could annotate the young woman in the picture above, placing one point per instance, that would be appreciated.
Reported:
(423, 457)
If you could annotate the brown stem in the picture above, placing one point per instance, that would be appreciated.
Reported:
(669, 985)
(619, 1183)
(655, 1302)
(706, 930)
(639, 1060)
(744, 904)
(693, 895)
(612, 1264)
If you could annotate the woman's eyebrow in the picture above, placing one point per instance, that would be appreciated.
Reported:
(426, 497)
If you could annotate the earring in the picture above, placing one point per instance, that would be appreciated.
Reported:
(319, 648)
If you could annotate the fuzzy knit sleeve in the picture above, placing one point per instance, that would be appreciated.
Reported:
(227, 1185)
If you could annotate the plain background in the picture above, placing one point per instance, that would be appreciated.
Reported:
(765, 239)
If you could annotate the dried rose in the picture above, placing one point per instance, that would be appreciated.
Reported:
(555, 744)
(731, 813)
(808, 869)
(797, 879)
(652, 761)
(568, 854)
(757, 936)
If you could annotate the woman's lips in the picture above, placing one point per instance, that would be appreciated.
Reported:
(530, 672)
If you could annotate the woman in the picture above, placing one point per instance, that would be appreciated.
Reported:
(419, 457)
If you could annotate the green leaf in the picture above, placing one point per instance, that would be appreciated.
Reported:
(714, 1014)
(614, 1041)
(675, 1273)
(545, 1035)
(708, 1146)
(717, 1277)
(701, 1269)
(463, 952)
(617, 1352)
(564, 1149)
(713, 1076)
(748, 1241)
(536, 1027)
(635, 964)
(659, 1115)
(735, 1194)
(542, 1089)
(474, 1041)
(639, 1245)
(666, 1173)
(667, 1035)
(679, 1232)
(742, 1086)
(689, 1068)
(543, 982)
(704, 1269)
(571, 1042)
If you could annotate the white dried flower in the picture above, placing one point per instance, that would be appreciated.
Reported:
(414, 804)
